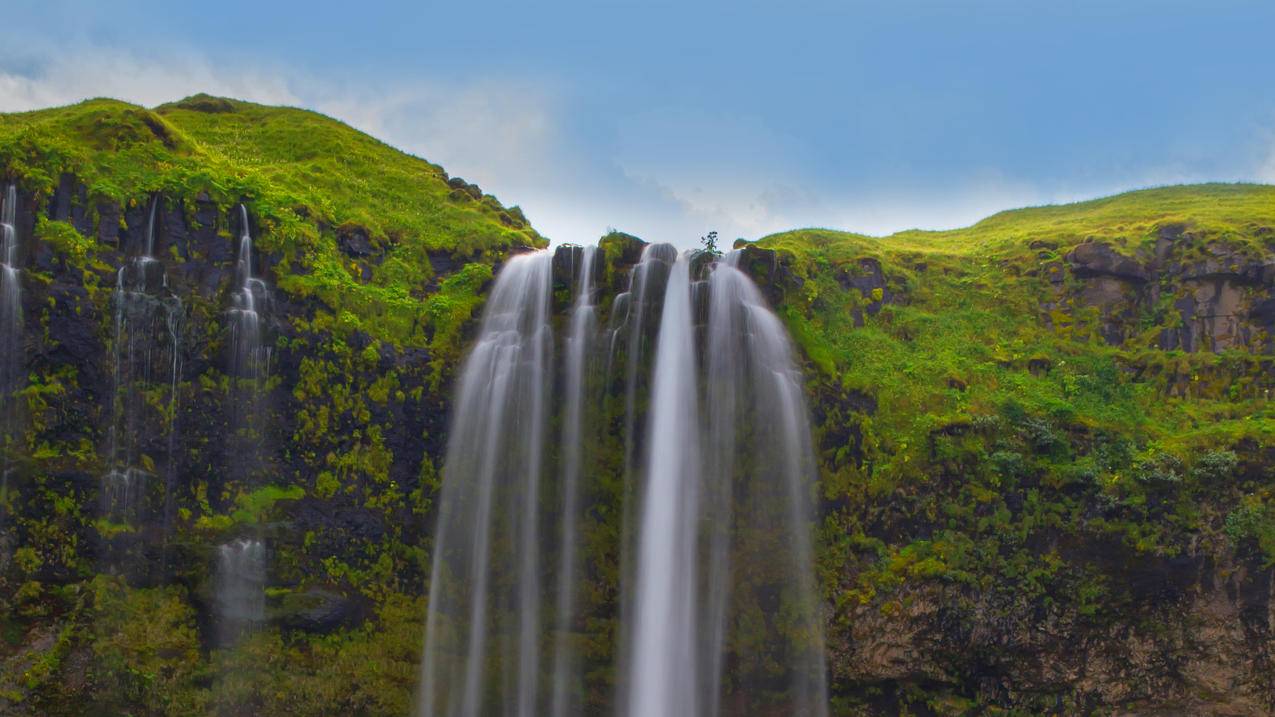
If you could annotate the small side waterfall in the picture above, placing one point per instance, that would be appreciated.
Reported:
(11, 342)
(249, 358)
(704, 601)
(241, 564)
(240, 584)
(147, 346)
(248, 362)
(10, 297)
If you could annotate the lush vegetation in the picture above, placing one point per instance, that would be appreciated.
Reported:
(307, 178)
(982, 442)
(1004, 486)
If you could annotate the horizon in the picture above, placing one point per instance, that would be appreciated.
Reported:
(672, 121)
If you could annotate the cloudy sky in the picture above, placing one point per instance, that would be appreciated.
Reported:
(670, 119)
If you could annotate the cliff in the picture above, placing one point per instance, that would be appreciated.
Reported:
(1047, 446)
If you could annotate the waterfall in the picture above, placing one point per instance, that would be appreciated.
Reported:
(758, 480)
(712, 608)
(147, 331)
(249, 359)
(240, 599)
(11, 341)
(579, 342)
(483, 626)
(663, 667)
(10, 314)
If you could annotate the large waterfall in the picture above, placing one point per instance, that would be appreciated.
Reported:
(686, 590)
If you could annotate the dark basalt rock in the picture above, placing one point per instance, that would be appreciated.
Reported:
(354, 241)
(1099, 259)
(770, 270)
(866, 277)
(317, 610)
(1212, 298)
(626, 249)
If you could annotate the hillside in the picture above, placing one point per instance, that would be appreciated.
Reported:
(307, 177)
(1049, 452)
(1046, 441)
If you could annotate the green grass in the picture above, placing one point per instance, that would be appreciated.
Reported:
(1243, 214)
(972, 314)
(308, 178)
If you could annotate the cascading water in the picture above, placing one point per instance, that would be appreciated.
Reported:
(249, 358)
(10, 305)
(249, 361)
(759, 470)
(10, 336)
(712, 607)
(147, 346)
(241, 596)
(483, 627)
(663, 666)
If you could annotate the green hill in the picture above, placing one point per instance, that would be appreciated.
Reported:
(308, 178)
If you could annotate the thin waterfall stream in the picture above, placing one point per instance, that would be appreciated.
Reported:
(11, 342)
(241, 563)
(677, 555)
(148, 319)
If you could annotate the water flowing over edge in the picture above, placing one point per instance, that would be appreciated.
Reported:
(487, 641)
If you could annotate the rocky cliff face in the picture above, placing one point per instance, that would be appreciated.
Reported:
(1046, 453)
(1024, 553)
(350, 429)
(1216, 295)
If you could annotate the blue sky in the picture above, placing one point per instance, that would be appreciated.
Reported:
(670, 119)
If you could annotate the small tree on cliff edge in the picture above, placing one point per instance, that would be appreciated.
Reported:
(710, 244)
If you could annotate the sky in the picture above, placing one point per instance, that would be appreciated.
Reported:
(672, 119)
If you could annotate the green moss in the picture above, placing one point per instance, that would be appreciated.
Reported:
(449, 311)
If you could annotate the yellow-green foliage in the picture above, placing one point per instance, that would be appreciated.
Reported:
(449, 310)
(307, 177)
(366, 671)
(961, 341)
(145, 648)
(979, 438)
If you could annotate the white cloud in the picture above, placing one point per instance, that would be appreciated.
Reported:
(65, 77)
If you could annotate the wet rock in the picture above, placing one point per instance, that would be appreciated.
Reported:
(354, 241)
(625, 249)
(317, 610)
(770, 270)
(108, 223)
